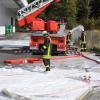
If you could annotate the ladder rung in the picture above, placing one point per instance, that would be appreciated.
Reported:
(32, 7)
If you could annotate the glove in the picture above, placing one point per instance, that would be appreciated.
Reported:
(44, 47)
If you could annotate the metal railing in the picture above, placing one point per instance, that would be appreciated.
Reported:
(32, 7)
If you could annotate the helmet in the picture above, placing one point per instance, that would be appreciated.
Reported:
(70, 31)
(44, 32)
(82, 30)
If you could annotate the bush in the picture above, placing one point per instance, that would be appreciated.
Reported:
(86, 23)
(71, 22)
(97, 24)
(90, 23)
(96, 49)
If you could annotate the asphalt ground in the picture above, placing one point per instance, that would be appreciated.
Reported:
(95, 94)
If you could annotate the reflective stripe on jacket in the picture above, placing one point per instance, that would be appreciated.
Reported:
(47, 48)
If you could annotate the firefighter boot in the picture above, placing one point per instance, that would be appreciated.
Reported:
(47, 68)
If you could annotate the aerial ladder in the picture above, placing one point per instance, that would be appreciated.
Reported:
(28, 13)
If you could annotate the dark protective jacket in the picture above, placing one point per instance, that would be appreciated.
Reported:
(69, 36)
(47, 48)
(83, 38)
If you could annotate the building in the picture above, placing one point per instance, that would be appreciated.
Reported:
(8, 12)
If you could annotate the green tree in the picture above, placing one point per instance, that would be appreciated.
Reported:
(84, 8)
(85, 12)
(54, 12)
(95, 9)
(71, 12)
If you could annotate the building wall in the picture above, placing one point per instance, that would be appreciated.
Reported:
(8, 9)
(5, 17)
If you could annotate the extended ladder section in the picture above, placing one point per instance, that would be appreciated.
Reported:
(32, 7)
(32, 10)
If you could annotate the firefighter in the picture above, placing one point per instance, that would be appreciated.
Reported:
(69, 36)
(83, 41)
(46, 50)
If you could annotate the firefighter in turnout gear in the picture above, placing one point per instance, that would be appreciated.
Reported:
(83, 41)
(46, 50)
(69, 37)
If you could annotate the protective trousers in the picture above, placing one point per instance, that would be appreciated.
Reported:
(47, 53)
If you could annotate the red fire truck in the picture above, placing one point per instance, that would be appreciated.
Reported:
(28, 16)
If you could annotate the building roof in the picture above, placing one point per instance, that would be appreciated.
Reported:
(14, 5)
(11, 4)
